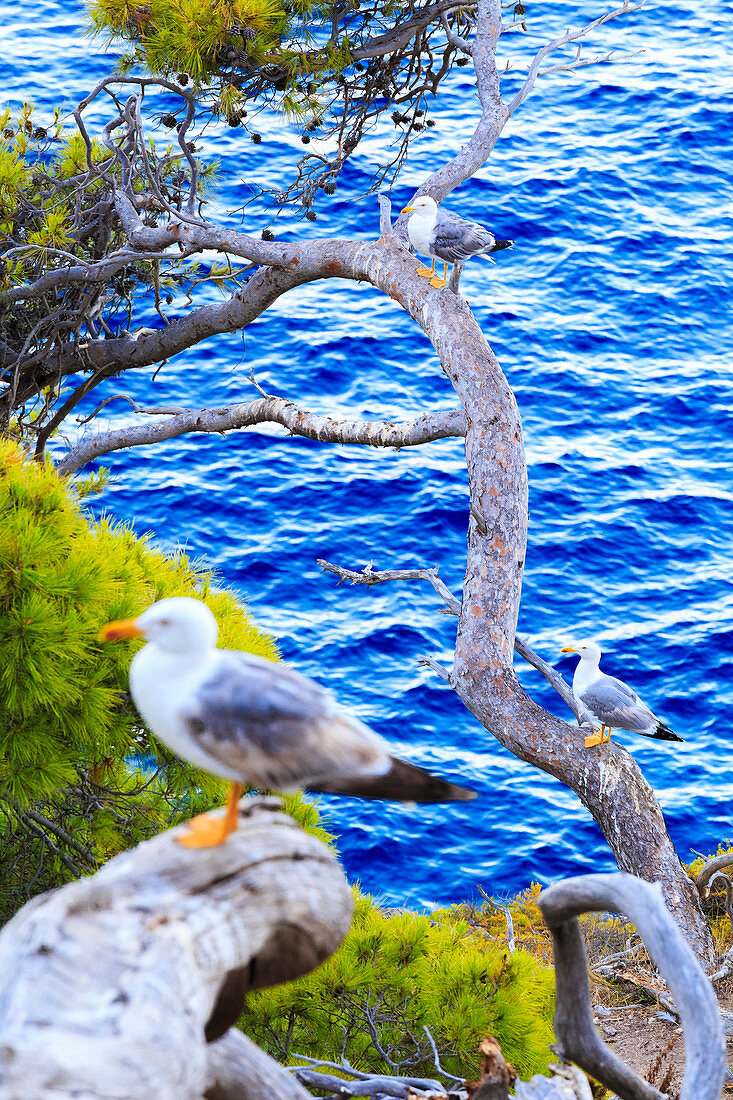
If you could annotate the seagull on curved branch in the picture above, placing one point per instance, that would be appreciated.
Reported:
(254, 721)
(612, 702)
(445, 236)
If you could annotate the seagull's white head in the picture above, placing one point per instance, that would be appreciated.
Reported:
(587, 651)
(177, 625)
(424, 205)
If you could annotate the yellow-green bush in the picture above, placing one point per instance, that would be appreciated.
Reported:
(403, 973)
(80, 776)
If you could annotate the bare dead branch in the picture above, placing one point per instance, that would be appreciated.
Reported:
(165, 932)
(570, 36)
(436, 1058)
(582, 63)
(643, 904)
(726, 963)
(274, 410)
(370, 577)
(238, 1070)
(372, 1085)
(718, 863)
(440, 670)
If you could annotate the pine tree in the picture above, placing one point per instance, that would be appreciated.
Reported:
(396, 974)
(80, 776)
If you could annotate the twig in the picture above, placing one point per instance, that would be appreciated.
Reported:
(436, 1058)
(570, 36)
(424, 659)
(507, 913)
(369, 576)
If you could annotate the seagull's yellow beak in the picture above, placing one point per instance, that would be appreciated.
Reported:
(568, 649)
(407, 209)
(123, 628)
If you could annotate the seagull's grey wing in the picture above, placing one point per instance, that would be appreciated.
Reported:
(456, 239)
(615, 704)
(276, 728)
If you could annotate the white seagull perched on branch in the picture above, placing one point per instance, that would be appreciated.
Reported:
(254, 721)
(445, 236)
(612, 702)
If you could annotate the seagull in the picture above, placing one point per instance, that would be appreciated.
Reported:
(445, 236)
(254, 721)
(611, 701)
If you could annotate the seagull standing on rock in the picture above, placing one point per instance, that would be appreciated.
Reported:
(254, 721)
(612, 702)
(445, 236)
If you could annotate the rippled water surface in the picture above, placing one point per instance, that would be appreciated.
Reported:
(611, 321)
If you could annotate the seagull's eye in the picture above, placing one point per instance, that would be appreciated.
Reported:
(164, 622)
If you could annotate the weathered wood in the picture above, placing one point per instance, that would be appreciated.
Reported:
(109, 984)
(239, 1070)
(717, 863)
(643, 904)
(568, 1083)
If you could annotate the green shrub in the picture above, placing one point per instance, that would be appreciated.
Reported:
(80, 776)
(397, 974)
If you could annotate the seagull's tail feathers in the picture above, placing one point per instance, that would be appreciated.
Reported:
(662, 732)
(402, 783)
(498, 245)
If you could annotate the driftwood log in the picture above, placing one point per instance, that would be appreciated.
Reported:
(643, 904)
(116, 987)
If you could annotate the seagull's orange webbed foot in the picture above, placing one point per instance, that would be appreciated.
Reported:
(205, 831)
(438, 282)
(426, 272)
(597, 738)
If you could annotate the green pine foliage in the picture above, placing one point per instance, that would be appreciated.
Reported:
(189, 35)
(397, 974)
(80, 777)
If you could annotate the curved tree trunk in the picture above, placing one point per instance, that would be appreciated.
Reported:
(113, 985)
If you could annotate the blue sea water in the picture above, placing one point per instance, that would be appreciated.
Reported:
(611, 321)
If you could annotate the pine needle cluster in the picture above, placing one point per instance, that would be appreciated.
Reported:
(333, 68)
(395, 975)
(80, 776)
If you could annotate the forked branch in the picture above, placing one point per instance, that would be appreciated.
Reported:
(643, 904)
(370, 577)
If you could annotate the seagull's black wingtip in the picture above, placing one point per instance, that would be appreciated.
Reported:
(498, 245)
(664, 733)
(402, 783)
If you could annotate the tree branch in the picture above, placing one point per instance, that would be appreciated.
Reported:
(165, 933)
(370, 577)
(643, 904)
(274, 410)
(718, 863)
(570, 36)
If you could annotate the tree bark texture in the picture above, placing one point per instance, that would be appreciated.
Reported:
(119, 980)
